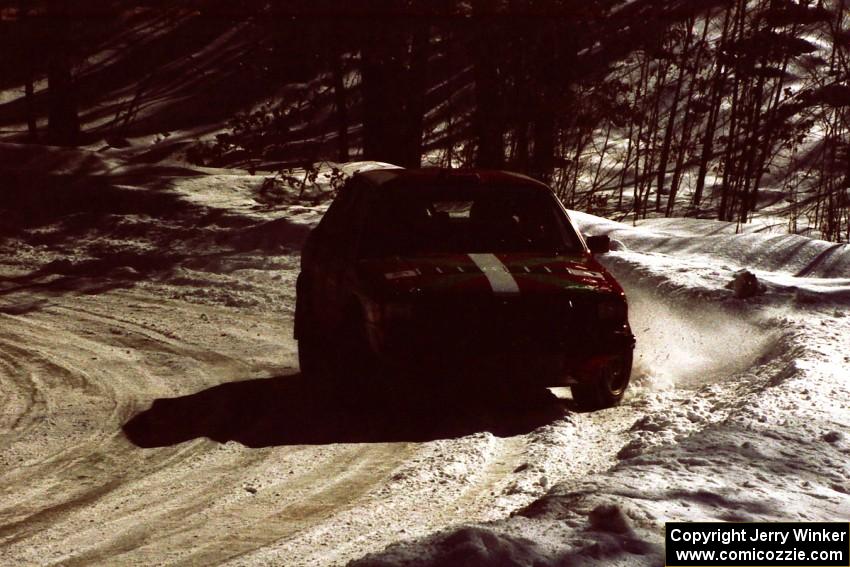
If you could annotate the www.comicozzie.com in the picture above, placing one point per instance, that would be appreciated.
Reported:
(697, 544)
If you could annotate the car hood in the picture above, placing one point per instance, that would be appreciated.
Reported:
(499, 274)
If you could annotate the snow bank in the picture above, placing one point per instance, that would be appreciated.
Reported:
(709, 251)
(86, 220)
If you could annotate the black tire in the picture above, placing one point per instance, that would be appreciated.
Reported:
(355, 368)
(310, 356)
(606, 387)
(310, 346)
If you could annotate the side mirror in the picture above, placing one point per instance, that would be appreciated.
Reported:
(599, 244)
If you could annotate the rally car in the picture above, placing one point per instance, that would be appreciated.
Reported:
(449, 272)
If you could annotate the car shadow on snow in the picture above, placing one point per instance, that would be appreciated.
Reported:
(289, 410)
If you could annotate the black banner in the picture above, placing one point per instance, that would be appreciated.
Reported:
(761, 544)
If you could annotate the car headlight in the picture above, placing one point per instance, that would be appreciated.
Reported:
(612, 310)
(397, 311)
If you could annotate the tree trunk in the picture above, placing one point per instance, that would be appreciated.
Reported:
(548, 54)
(671, 119)
(625, 167)
(598, 171)
(28, 35)
(383, 82)
(417, 84)
(340, 106)
(649, 159)
(643, 89)
(748, 196)
(63, 123)
(729, 154)
(732, 134)
(543, 159)
(689, 117)
(713, 114)
(488, 122)
(32, 125)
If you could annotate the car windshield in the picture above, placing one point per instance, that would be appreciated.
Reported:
(466, 220)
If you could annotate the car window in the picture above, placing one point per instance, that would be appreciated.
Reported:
(338, 232)
(466, 220)
(334, 217)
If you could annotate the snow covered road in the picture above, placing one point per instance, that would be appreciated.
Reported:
(237, 460)
(151, 410)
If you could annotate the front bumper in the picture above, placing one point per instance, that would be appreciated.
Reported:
(544, 358)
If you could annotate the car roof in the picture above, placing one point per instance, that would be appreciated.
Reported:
(431, 176)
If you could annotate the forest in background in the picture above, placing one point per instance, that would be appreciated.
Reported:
(708, 108)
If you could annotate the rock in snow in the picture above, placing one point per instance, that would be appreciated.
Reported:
(745, 284)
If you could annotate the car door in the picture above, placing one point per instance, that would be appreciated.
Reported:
(341, 279)
(332, 253)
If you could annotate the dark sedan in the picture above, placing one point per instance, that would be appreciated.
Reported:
(443, 270)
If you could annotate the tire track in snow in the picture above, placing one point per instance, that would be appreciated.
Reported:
(335, 488)
(85, 408)
(60, 512)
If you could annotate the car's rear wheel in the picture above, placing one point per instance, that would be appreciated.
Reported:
(355, 367)
(606, 385)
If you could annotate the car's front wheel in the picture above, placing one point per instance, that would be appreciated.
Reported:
(354, 366)
(310, 355)
(605, 386)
